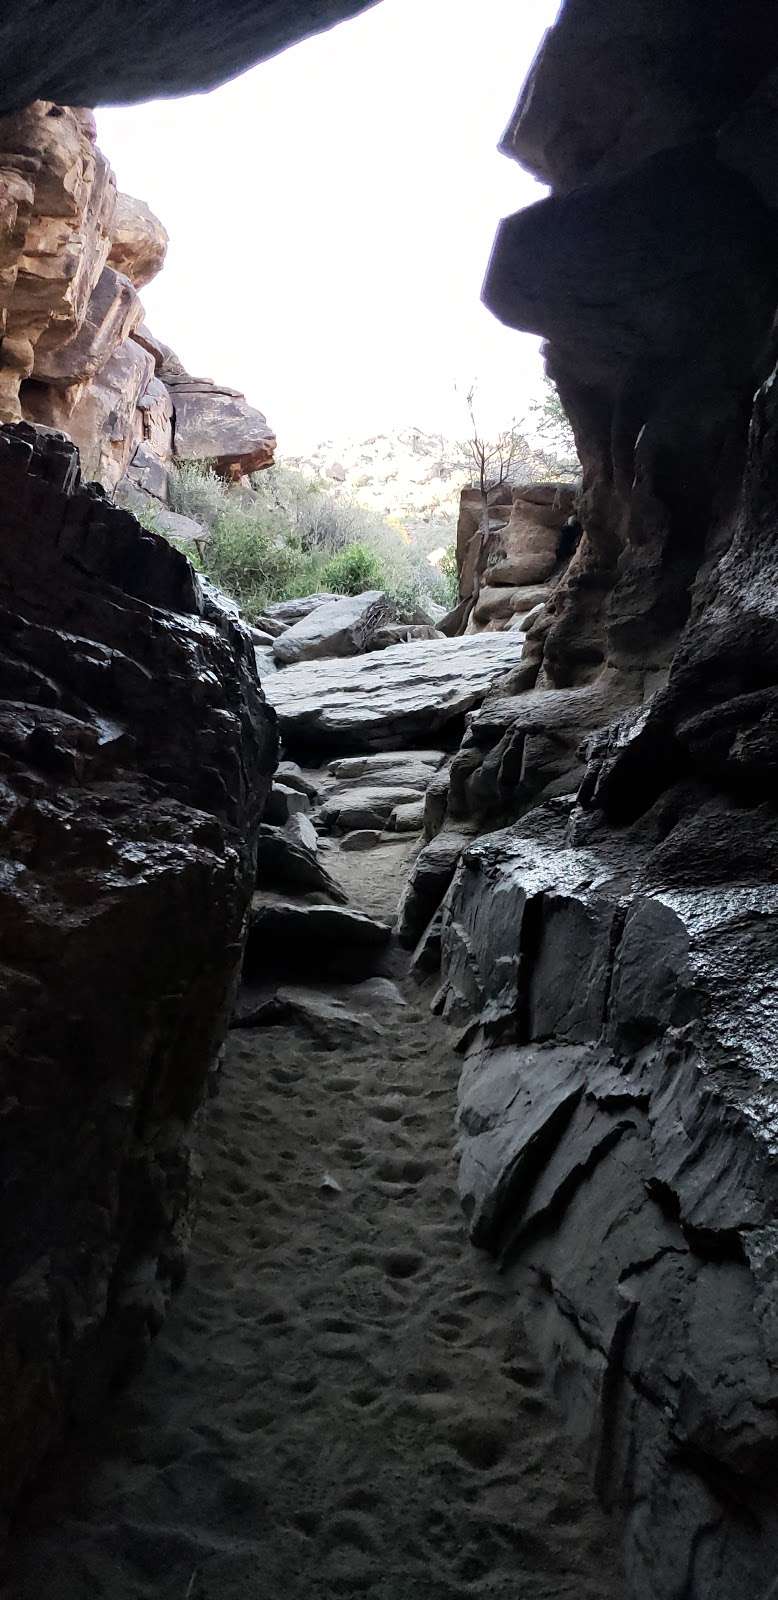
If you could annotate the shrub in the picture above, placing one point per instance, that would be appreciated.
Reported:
(352, 570)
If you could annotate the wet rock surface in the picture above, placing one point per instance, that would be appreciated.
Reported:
(389, 698)
(135, 752)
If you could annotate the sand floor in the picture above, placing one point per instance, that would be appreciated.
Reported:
(340, 1403)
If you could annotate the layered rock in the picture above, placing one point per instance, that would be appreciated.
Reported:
(609, 959)
(390, 698)
(509, 553)
(135, 753)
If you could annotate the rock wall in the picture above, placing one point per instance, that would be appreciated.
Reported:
(135, 754)
(510, 553)
(74, 354)
(609, 958)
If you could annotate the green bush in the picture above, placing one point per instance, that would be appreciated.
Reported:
(353, 570)
(288, 536)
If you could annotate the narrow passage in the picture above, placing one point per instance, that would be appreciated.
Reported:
(340, 1402)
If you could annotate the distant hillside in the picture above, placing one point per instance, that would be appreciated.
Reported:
(409, 476)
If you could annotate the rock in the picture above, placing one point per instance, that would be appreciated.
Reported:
(293, 776)
(54, 236)
(528, 598)
(341, 627)
(271, 626)
(355, 807)
(171, 523)
(104, 421)
(401, 633)
(493, 605)
(341, 941)
(301, 831)
(392, 698)
(384, 765)
(430, 876)
(334, 1018)
(182, 53)
(405, 770)
(111, 315)
(265, 660)
(138, 241)
(287, 612)
(283, 801)
(408, 818)
(361, 839)
(132, 798)
(219, 426)
(284, 864)
(261, 639)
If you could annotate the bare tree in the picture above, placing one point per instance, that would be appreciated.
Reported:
(496, 460)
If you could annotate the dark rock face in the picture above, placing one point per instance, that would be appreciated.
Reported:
(54, 50)
(135, 753)
(609, 959)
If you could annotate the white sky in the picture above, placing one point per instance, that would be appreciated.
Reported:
(331, 214)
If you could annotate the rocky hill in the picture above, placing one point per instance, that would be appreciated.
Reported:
(409, 476)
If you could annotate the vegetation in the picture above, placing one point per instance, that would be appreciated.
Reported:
(287, 535)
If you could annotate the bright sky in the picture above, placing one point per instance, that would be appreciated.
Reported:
(331, 214)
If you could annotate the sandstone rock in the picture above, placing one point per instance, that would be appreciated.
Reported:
(391, 698)
(342, 627)
(138, 241)
(59, 194)
(110, 317)
(132, 800)
(101, 418)
(361, 839)
(493, 605)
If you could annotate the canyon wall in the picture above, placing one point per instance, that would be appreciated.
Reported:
(609, 957)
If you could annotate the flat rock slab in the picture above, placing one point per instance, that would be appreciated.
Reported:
(390, 697)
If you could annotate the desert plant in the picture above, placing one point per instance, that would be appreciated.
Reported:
(352, 570)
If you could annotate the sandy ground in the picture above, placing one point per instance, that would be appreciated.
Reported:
(340, 1403)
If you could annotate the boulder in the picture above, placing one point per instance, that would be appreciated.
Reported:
(138, 241)
(362, 807)
(151, 511)
(391, 698)
(361, 839)
(343, 627)
(301, 831)
(408, 818)
(383, 765)
(283, 802)
(282, 932)
(429, 878)
(287, 612)
(284, 864)
(334, 1019)
(493, 605)
(132, 800)
(402, 633)
(293, 776)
